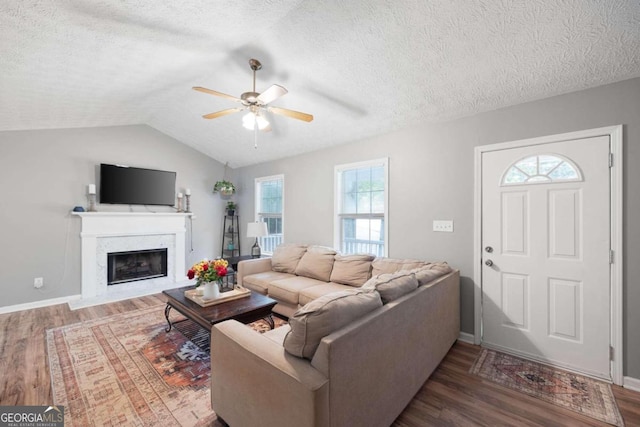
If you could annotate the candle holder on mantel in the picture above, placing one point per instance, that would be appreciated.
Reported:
(91, 196)
(187, 198)
(180, 210)
(92, 203)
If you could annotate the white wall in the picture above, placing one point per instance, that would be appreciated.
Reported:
(44, 174)
(431, 177)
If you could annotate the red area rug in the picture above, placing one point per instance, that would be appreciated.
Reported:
(126, 370)
(571, 391)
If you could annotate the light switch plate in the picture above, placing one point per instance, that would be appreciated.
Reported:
(443, 225)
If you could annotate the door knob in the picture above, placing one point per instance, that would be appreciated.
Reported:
(488, 263)
(489, 249)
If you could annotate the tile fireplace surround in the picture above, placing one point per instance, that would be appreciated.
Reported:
(105, 232)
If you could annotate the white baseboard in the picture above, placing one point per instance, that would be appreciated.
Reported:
(632, 383)
(117, 293)
(466, 337)
(38, 304)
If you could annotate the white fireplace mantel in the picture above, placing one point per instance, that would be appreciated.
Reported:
(102, 231)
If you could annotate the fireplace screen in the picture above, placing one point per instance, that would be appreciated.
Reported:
(136, 265)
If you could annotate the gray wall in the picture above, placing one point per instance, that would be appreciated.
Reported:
(431, 171)
(44, 173)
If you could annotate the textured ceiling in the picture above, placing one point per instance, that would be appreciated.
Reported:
(362, 68)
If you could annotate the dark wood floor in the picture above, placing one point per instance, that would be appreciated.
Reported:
(451, 397)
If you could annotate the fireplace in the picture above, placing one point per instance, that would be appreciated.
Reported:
(103, 233)
(130, 266)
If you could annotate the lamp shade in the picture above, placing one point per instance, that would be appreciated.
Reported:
(257, 229)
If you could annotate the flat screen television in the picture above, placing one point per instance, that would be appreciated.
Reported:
(124, 185)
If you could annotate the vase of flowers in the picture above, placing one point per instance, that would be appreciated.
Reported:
(211, 290)
(209, 274)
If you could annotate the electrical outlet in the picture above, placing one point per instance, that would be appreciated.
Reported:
(38, 282)
(442, 225)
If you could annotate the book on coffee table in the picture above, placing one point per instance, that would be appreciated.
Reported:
(236, 293)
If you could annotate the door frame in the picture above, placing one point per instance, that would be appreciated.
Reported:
(616, 215)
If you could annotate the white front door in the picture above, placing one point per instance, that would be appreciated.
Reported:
(546, 253)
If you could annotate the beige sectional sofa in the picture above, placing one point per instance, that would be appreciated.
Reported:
(298, 274)
(354, 355)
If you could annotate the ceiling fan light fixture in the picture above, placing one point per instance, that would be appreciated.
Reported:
(250, 119)
(256, 103)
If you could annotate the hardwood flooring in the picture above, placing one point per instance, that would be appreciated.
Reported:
(24, 368)
(451, 397)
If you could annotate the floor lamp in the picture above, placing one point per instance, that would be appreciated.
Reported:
(256, 229)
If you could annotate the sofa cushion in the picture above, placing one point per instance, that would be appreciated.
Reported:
(260, 281)
(351, 270)
(286, 257)
(391, 265)
(324, 315)
(277, 335)
(314, 292)
(316, 263)
(393, 285)
(288, 290)
(430, 272)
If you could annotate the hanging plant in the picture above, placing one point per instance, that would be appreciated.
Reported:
(225, 188)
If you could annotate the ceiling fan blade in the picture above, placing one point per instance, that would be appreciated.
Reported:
(216, 93)
(291, 113)
(222, 113)
(271, 94)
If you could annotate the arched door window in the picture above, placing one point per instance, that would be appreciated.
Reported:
(541, 169)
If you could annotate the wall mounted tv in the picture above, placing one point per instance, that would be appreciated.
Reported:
(124, 185)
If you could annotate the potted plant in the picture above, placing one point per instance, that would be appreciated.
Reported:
(231, 208)
(225, 188)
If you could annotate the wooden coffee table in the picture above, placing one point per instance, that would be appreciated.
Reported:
(245, 310)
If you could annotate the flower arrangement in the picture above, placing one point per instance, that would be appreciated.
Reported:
(226, 188)
(208, 271)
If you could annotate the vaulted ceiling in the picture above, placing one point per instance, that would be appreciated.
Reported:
(361, 67)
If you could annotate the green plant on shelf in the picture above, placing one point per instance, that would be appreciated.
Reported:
(231, 208)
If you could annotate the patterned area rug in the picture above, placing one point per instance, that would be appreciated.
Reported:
(126, 370)
(565, 389)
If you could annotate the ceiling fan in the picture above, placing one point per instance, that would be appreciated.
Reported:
(256, 103)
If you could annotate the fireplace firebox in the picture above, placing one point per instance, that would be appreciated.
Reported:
(130, 266)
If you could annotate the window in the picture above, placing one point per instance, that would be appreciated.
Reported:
(269, 206)
(544, 168)
(361, 207)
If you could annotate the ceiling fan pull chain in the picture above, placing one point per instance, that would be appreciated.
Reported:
(255, 135)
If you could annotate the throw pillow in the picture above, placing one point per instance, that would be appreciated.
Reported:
(391, 265)
(286, 257)
(325, 315)
(352, 270)
(316, 263)
(392, 286)
(430, 272)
